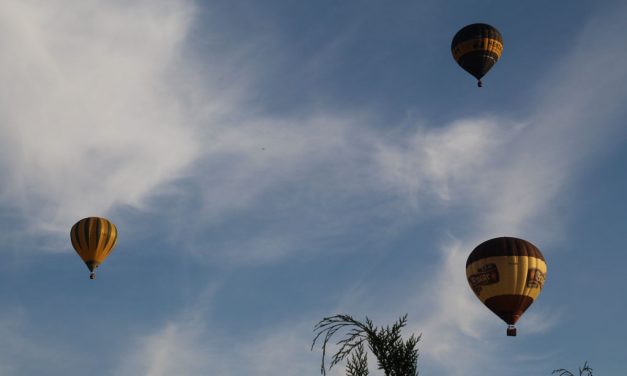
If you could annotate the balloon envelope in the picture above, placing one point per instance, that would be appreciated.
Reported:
(93, 238)
(507, 275)
(476, 48)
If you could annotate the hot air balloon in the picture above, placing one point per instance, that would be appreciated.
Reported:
(93, 238)
(476, 48)
(507, 275)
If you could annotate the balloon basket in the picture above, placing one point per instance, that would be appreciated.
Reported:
(511, 331)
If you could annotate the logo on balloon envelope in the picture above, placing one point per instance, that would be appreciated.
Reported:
(535, 278)
(487, 275)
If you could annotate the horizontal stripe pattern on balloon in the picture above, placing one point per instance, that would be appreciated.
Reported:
(507, 275)
(476, 48)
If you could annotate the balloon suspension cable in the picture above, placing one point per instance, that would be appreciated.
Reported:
(479, 83)
(92, 276)
(511, 331)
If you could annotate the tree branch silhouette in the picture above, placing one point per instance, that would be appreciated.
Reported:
(394, 356)
(582, 370)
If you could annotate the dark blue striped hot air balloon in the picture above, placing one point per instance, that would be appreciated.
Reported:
(476, 48)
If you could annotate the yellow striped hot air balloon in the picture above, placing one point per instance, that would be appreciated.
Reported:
(476, 48)
(507, 275)
(93, 238)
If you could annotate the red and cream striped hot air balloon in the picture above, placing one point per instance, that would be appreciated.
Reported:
(507, 275)
(93, 238)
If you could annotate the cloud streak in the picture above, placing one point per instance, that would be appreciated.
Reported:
(192, 346)
(90, 113)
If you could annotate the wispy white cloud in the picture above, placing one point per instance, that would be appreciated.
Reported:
(290, 177)
(447, 163)
(174, 349)
(196, 347)
(91, 114)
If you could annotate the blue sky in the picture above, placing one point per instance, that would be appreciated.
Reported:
(271, 163)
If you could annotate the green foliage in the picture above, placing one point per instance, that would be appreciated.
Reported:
(585, 370)
(394, 356)
(357, 365)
